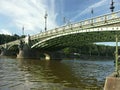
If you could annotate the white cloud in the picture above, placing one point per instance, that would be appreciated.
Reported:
(98, 4)
(4, 31)
(29, 13)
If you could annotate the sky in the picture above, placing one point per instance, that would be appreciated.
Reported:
(16, 14)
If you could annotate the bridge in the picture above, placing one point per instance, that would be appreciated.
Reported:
(98, 29)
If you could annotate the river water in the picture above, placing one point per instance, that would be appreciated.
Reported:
(29, 74)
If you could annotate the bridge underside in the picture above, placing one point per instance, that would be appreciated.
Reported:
(79, 39)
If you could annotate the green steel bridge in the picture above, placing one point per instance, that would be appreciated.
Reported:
(98, 29)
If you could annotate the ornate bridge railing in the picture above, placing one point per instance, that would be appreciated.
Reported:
(104, 20)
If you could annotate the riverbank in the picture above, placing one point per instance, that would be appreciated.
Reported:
(92, 57)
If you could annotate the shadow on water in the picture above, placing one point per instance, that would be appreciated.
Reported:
(56, 75)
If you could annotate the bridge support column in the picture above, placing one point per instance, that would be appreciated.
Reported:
(24, 49)
(3, 52)
(27, 52)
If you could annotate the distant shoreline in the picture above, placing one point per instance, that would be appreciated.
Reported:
(92, 57)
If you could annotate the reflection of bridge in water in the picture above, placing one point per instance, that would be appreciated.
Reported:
(98, 29)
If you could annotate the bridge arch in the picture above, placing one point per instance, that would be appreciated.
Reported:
(45, 56)
(95, 34)
(14, 46)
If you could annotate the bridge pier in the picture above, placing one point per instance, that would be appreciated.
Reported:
(27, 52)
(32, 53)
(3, 52)
(24, 50)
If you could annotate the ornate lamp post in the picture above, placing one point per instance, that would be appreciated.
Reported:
(23, 30)
(45, 20)
(112, 6)
(116, 53)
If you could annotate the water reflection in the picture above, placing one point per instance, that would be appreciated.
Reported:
(25, 74)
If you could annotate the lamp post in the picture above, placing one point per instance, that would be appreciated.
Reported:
(45, 20)
(23, 30)
(66, 21)
(112, 6)
(92, 12)
(116, 55)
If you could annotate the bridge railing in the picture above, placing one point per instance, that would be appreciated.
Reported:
(16, 42)
(89, 23)
(99, 19)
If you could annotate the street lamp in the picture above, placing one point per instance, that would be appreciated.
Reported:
(92, 12)
(23, 30)
(112, 6)
(66, 20)
(116, 53)
(45, 20)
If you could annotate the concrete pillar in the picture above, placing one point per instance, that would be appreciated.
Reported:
(112, 82)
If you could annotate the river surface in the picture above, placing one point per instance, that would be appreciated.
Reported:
(31, 74)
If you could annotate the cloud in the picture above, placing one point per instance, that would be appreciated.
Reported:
(88, 9)
(6, 32)
(29, 13)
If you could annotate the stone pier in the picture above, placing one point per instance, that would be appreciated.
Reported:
(3, 52)
(26, 52)
(32, 53)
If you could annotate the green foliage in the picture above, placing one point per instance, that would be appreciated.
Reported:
(8, 38)
(97, 50)
(66, 50)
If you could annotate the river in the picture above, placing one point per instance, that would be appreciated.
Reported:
(32, 74)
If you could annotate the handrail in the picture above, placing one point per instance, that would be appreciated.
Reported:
(95, 20)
